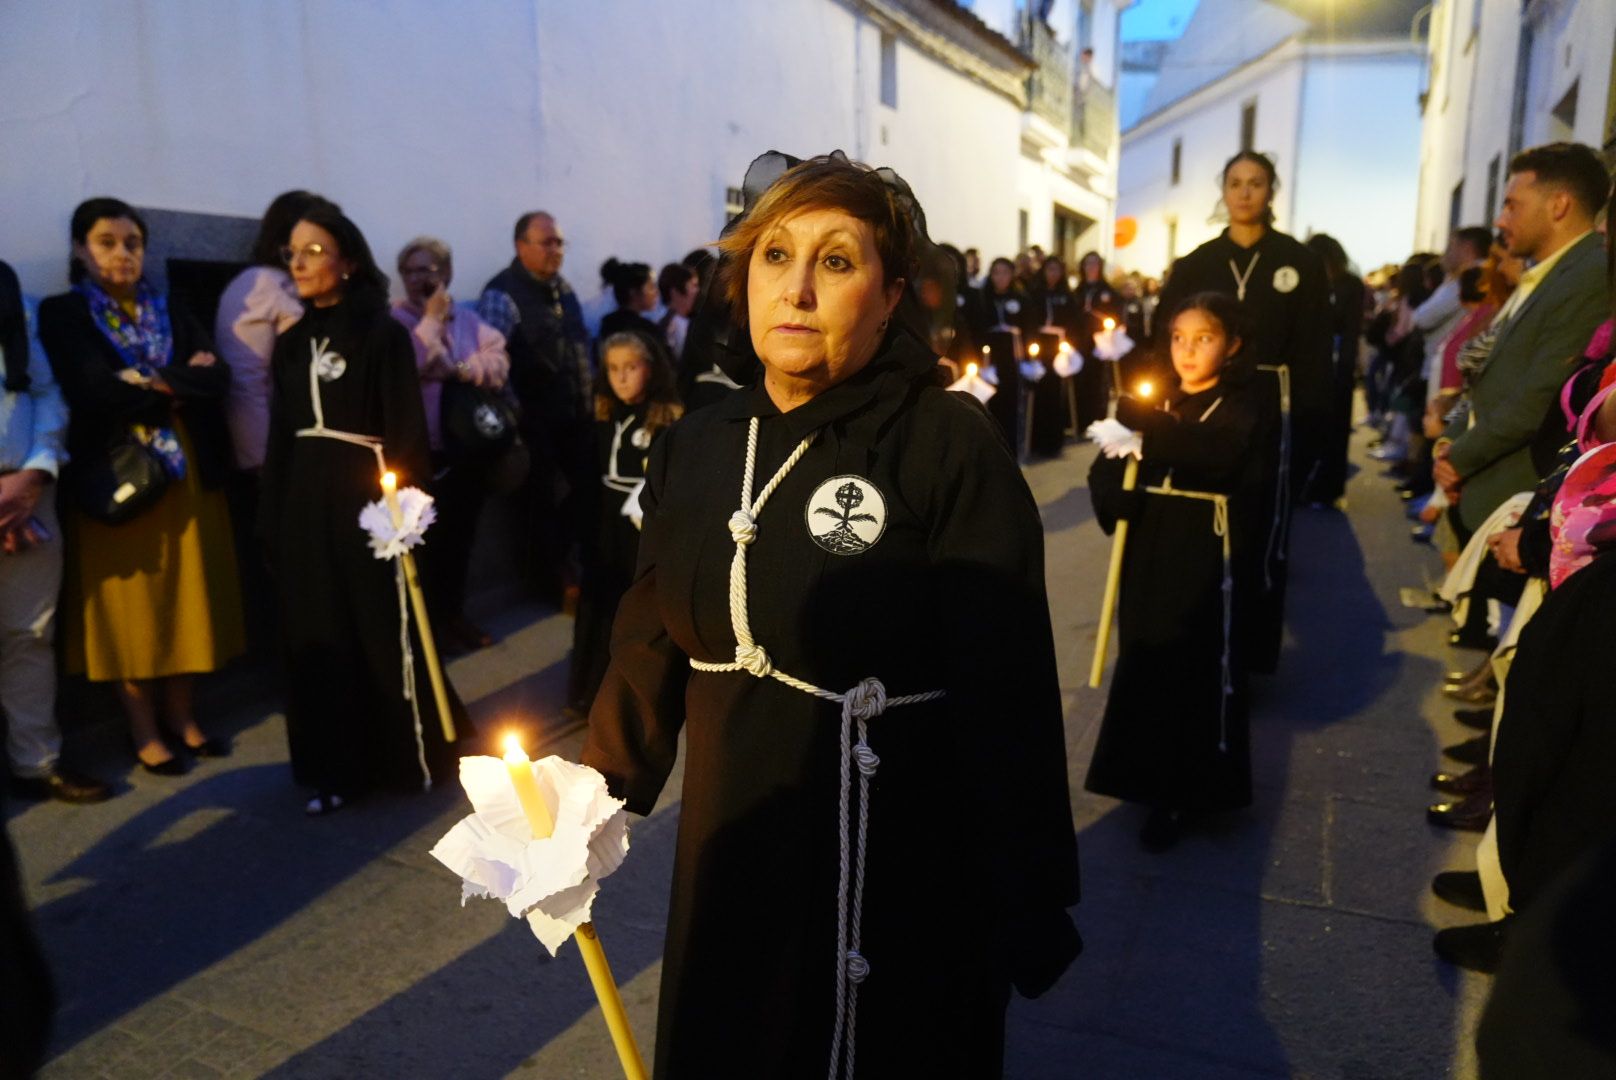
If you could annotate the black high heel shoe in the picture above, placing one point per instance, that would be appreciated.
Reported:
(174, 766)
(215, 747)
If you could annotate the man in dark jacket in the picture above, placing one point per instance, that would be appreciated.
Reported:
(537, 311)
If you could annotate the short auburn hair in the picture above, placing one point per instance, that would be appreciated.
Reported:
(821, 183)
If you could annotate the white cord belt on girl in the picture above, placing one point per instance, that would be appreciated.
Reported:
(1277, 532)
(860, 705)
(1220, 526)
(374, 445)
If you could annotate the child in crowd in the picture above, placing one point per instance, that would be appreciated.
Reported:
(634, 402)
(1175, 736)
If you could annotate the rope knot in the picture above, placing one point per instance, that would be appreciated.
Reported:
(865, 758)
(742, 529)
(867, 700)
(753, 659)
(858, 968)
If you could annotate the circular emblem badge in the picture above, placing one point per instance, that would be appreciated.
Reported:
(490, 425)
(846, 515)
(1286, 278)
(329, 365)
(641, 439)
(1013, 306)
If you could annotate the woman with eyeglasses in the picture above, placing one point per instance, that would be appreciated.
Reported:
(346, 406)
(151, 601)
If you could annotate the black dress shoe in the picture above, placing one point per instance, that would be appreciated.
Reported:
(1474, 948)
(1470, 813)
(1475, 674)
(174, 766)
(1475, 719)
(1476, 694)
(1477, 779)
(1162, 830)
(216, 747)
(62, 784)
(1461, 888)
(1470, 752)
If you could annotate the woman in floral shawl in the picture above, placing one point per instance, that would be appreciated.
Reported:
(153, 601)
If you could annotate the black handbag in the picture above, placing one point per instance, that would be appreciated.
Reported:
(126, 482)
(478, 423)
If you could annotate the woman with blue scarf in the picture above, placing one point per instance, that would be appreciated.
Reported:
(153, 601)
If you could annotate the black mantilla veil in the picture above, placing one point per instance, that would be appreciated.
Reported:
(714, 334)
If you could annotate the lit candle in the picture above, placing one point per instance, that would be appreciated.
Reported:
(1032, 350)
(987, 350)
(527, 788)
(1144, 390)
(970, 371)
(390, 493)
(1110, 324)
(1065, 346)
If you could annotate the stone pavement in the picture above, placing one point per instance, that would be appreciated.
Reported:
(205, 928)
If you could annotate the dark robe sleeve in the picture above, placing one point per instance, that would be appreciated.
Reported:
(187, 381)
(1111, 503)
(987, 545)
(277, 454)
(405, 442)
(1215, 448)
(634, 725)
(1311, 349)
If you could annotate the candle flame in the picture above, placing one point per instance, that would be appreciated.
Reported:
(970, 371)
(1065, 346)
(1032, 350)
(513, 748)
(1110, 324)
(389, 480)
(987, 350)
(1145, 389)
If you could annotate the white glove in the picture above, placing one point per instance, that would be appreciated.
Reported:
(1032, 370)
(1116, 439)
(1068, 362)
(1112, 344)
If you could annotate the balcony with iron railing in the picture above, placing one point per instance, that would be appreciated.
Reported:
(1094, 119)
(1050, 87)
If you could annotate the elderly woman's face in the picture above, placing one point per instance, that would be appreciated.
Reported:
(424, 275)
(816, 299)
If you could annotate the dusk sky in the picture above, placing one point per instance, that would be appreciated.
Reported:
(1154, 20)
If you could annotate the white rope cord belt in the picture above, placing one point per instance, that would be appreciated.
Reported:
(374, 445)
(1220, 526)
(1282, 498)
(860, 705)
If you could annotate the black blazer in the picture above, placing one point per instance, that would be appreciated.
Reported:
(102, 406)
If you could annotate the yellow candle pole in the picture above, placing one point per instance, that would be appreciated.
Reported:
(412, 578)
(542, 825)
(1113, 574)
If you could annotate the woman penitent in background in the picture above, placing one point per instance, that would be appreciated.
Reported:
(1054, 317)
(347, 400)
(1282, 286)
(1000, 313)
(1175, 734)
(635, 402)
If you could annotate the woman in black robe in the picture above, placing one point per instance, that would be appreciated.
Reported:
(1175, 734)
(346, 399)
(1054, 317)
(1346, 337)
(1001, 310)
(894, 863)
(1287, 300)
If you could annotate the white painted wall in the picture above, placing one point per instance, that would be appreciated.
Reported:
(1358, 156)
(1209, 124)
(1571, 44)
(625, 118)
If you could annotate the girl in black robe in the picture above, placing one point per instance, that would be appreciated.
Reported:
(1001, 311)
(1286, 297)
(1175, 734)
(1098, 303)
(345, 394)
(634, 403)
(1053, 317)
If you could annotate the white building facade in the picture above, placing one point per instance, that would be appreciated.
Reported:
(1339, 117)
(1501, 76)
(632, 121)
